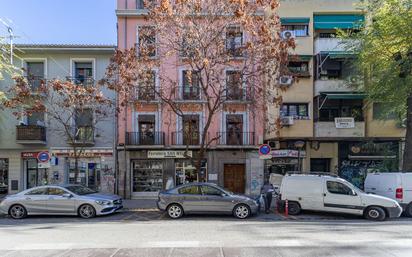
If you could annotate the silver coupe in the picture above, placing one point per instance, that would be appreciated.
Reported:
(205, 198)
(60, 200)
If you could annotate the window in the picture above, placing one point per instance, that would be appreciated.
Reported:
(147, 86)
(299, 68)
(338, 188)
(301, 30)
(83, 73)
(189, 190)
(329, 113)
(84, 130)
(35, 119)
(234, 85)
(35, 74)
(381, 112)
(56, 191)
(189, 47)
(37, 191)
(191, 85)
(298, 110)
(208, 190)
(146, 41)
(190, 129)
(234, 41)
(142, 4)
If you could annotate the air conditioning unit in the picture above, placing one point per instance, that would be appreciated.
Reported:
(288, 34)
(285, 80)
(287, 120)
(274, 144)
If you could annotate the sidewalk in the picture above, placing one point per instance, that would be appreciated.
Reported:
(139, 204)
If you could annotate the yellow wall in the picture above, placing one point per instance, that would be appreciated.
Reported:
(381, 128)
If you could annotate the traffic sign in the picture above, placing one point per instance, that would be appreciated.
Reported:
(264, 149)
(43, 156)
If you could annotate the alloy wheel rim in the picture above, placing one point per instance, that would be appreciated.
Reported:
(17, 212)
(242, 212)
(86, 211)
(373, 213)
(174, 211)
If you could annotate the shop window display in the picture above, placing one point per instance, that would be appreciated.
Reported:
(88, 174)
(186, 172)
(147, 176)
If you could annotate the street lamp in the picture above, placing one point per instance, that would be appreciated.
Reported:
(299, 145)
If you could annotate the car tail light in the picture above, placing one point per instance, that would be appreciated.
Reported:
(399, 193)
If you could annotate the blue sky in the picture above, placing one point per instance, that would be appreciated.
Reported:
(60, 21)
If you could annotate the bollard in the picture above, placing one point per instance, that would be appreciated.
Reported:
(286, 208)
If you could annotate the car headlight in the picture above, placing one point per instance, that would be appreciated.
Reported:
(103, 202)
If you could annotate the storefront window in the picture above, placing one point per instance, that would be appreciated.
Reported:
(35, 176)
(88, 174)
(185, 172)
(147, 175)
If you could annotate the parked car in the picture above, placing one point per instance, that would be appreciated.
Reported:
(394, 185)
(334, 194)
(205, 198)
(60, 200)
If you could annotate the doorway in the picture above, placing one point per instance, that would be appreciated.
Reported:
(320, 165)
(234, 177)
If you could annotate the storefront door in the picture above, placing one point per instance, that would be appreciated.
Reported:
(4, 173)
(319, 165)
(234, 177)
(35, 176)
(88, 174)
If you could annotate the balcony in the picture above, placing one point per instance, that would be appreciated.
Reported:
(187, 139)
(85, 81)
(328, 129)
(30, 134)
(84, 135)
(188, 93)
(333, 85)
(145, 138)
(236, 138)
(331, 44)
(234, 94)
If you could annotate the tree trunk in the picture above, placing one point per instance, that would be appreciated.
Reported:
(407, 155)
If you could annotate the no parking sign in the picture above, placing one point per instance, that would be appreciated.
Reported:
(43, 156)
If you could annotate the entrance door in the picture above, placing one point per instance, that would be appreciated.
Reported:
(320, 165)
(234, 177)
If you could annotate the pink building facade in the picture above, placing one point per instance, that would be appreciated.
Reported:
(151, 143)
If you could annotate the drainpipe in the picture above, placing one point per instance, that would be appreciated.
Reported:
(125, 128)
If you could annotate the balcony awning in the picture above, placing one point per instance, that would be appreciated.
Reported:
(341, 96)
(294, 20)
(300, 57)
(338, 21)
(338, 54)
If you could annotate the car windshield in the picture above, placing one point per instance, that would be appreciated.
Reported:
(80, 190)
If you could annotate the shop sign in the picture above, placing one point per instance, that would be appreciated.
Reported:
(287, 153)
(29, 154)
(84, 153)
(280, 161)
(168, 154)
(342, 123)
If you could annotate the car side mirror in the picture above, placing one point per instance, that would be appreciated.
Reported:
(67, 195)
(223, 194)
(354, 193)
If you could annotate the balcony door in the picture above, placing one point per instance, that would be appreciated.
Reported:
(190, 129)
(84, 129)
(36, 119)
(146, 126)
(234, 129)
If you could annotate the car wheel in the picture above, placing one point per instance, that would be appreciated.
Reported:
(86, 211)
(293, 208)
(375, 213)
(408, 210)
(241, 211)
(18, 211)
(175, 211)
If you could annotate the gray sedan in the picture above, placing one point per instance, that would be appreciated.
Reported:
(205, 198)
(60, 200)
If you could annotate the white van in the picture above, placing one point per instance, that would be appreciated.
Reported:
(332, 194)
(394, 185)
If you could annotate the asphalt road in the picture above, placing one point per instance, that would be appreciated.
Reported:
(151, 234)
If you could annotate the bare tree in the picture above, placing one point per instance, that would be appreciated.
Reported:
(231, 52)
(73, 109)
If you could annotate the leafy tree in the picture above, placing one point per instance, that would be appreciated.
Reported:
(6, 68)
(384, 48)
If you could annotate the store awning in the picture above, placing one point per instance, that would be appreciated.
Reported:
(294, 20)
(338, 21)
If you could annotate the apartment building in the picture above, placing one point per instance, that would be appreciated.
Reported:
(153, 146)
(26, 144)
(341, 132)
